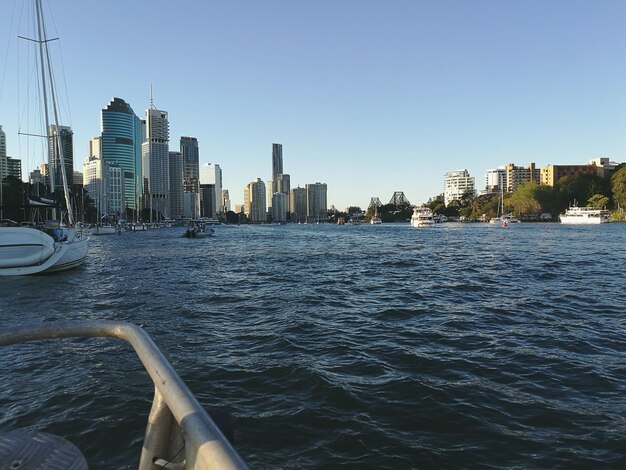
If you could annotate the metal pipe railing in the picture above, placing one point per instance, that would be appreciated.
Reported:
(205, 445)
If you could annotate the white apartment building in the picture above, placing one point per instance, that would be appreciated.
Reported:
(456, 184)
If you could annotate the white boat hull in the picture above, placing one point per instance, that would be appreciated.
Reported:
(23, 246)
(585, 216)
(103, 230)
(66, 254)
(584, 220)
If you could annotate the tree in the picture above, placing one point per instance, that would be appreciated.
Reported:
(524, 200)
(598, 201)
(618, 187)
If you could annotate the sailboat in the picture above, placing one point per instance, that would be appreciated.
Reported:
(503, 219)
(375, 220)
(55, 246)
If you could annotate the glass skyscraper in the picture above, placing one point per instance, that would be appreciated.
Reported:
(191, 163)
(121, 144)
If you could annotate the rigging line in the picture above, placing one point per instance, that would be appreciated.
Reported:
(6, 56)
(60, 50)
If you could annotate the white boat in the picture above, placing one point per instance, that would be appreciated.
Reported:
(440, 219)
(422, 217)
(585, 216)
(198, 230)
(375, 220)
(103, 229)
(54, 247)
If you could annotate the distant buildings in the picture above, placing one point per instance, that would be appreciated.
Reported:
(62, 140)
(176, 185)
(211, 173)
(254, 201)
(3, 154)
(316, 201)
(298, 206)
(155, 161)
(104, 183)
(495, 180)
(456, 184)
(191, 163)
(279, 208)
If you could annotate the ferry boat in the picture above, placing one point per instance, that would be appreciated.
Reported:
(422, 217)
(585, 216)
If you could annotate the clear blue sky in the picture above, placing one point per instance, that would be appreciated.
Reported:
(369, 97)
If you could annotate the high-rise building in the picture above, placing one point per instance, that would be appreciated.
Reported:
(77, 178)
(225, 200)
(277, 161)
(456, 185)
(516, 175)
(191, 204)
(64, 136)
(191, 163)
(283, 185)
(177, 206)
(3, 154)
(495, 180)
(104, 183)
(211, 173)
(254, 201)
(207, 200)
(297, 204)
(269, 188)
(155, 161)
(316, 203)
(121, 144)
(279, 208)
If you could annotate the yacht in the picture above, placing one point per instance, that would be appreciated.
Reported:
(57, 245)
(422, 217)
(585, 216)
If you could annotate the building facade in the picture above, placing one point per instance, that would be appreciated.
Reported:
(177, 206)
(207, 200)
(456, 185)
(277, 164)
(121, 145)
(254, 202)
(279, 208)
(3, 154)
(14, 167)
(155, 161)
(61, 140)
(191, 163)
(495, 180)
(211, 173)
(297, 205)
(225, 200)
(551, 174)
(516, 175)
(316, 202)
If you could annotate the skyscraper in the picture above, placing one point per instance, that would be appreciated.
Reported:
(64, 135)
(121, 145)
(211, 173)
(456, 184)
(3, 154)
(176, 185)
(297, 206)
(316, 201)
(279, 208)
(277, 161)
(191, 163)
(254, 201)
(155, 161)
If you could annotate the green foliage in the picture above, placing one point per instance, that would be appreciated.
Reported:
(618, 187)
(598, 200)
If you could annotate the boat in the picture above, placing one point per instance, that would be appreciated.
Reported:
(422, 217)
(103, 229)
(198, 230)
(375, 220)
(585, 216)
(179, 433)
(440, 218)
(56, 245)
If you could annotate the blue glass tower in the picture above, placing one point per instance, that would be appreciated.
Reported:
(121, 144)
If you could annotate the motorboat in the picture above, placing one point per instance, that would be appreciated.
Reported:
(198, 230)
(585, 216)
(422, 217)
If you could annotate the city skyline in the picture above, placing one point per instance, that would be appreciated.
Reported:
(367, 98)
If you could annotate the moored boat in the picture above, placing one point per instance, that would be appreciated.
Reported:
(585, 216)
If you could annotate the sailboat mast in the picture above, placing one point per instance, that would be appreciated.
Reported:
(44, 88)
(43, 45)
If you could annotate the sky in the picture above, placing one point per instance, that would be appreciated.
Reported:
(369, 97)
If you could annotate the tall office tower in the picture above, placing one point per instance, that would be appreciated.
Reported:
(104, 183)
(456, 184)
(283, 185)
(14, 167)
(279, 208)
(207, 200)
(155, 161)
(297, 205)
(225, 200)
(191, 203)
(177, 207)
(516, 175)
(211, 173)
(495, 180)
(64, 135)
(316, 204)
(277, 161)
(35, 177)
(43, 169)
(269, 188)
(77, 178)
(254, 201)
(191, 163)
(3, 154)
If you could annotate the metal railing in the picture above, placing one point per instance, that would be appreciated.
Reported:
(205, 445)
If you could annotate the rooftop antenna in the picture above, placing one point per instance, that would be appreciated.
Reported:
(151, 99)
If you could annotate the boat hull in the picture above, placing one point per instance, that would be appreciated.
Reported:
(23, 246)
